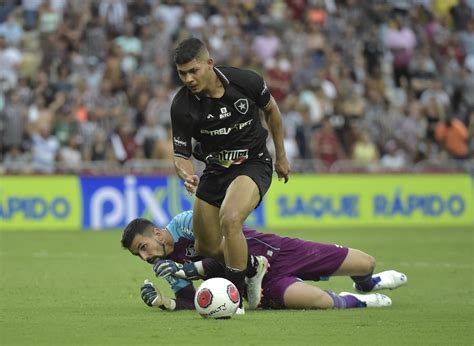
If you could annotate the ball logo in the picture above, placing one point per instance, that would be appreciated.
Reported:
(204, 298)
(233, 293)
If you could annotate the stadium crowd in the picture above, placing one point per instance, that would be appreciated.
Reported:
(380, 83)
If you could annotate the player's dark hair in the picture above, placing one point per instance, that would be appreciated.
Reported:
(134, 227)
(188, 49)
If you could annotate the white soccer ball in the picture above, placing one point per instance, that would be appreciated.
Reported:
(217, 298)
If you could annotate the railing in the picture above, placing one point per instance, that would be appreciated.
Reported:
(166, 167)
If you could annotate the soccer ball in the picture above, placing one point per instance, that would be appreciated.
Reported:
(217, 298)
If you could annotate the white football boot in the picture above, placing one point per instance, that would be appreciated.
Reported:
(371, 300)
(240, 311)
(254, 284)
(389, 279)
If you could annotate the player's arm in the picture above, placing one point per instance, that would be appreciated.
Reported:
(205, 269)
(259, 91)
(274, 121)
(182, 146)
(185, 170)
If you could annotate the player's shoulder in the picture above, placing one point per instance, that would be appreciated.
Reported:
(182, 99)
(238, 75)
(183, 220)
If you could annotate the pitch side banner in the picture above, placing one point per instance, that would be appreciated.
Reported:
(112, 202)
(40, 203)
(392, 200)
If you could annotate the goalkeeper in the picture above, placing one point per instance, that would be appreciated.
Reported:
(275, 273)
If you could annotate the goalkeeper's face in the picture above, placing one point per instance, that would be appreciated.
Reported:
(151, 246)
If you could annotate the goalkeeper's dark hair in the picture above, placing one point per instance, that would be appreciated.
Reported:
(134, 227)
(188, 50)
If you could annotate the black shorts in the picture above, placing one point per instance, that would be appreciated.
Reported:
(215, 180)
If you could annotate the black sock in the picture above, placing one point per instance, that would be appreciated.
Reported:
(252, 264)
(213, 268)
(237, 277)
(364, 283)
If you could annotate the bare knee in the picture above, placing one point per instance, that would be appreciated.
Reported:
(230, 221)
(368, 264)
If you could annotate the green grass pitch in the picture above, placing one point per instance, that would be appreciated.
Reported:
(69, 288)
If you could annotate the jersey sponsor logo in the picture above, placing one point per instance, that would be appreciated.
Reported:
(178, 142)
(242, 106)
(233, 155)
(224, 113)
(226, 130)
(226, 158)
(190, 251)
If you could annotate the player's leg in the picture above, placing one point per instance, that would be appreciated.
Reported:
(356, 263)
(300, 295)
(208, 236)
(241, 198)
(360, 267)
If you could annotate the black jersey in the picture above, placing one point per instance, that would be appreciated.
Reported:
(228, 129)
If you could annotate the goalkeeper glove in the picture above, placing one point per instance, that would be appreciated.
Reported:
(165, 268)
(152, 297)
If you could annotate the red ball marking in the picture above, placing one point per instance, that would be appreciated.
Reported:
(204, 298)
(233, 293)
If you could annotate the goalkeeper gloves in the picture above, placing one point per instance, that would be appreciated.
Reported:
(165, 268)
(152, 297)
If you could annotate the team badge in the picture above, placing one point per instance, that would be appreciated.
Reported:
(242, 106)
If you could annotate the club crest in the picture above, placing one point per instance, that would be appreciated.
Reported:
(242, 106)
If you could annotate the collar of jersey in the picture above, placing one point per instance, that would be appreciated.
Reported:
(222, 77)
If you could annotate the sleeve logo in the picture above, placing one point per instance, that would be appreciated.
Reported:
(178, 142)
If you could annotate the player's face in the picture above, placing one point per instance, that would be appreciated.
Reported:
(196, 74)
(150, 247)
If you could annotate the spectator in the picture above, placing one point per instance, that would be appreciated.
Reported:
(16, 161)
(326, 145)
(278, 76)
(461, 13)
(365, 150)
(163, 149)
(131, 48)
(11, 29)
(69, 156)
(44, 149)
(401, 41)
(394, 158)
(13, 122)
(266, 45)
(393, 69)
(452, 135)
(149, 134)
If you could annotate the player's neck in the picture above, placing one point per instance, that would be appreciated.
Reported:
(216, 88)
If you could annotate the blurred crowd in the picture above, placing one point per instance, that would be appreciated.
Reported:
(382, 83)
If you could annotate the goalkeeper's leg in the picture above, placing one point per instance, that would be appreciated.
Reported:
(300, 295)
(360, 267)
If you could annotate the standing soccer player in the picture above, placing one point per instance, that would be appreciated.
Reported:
(219, 107)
